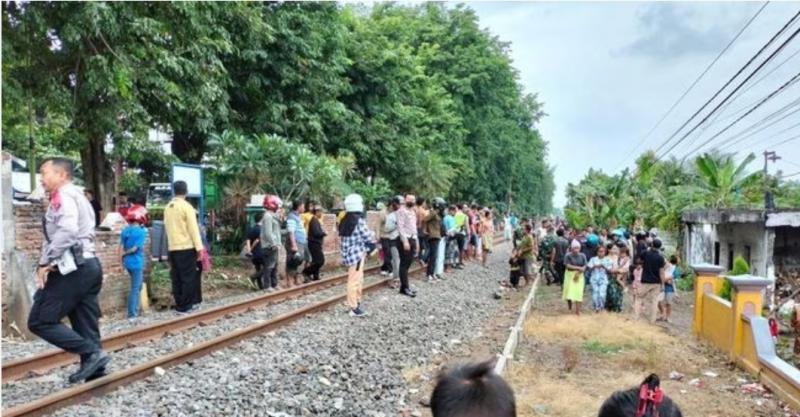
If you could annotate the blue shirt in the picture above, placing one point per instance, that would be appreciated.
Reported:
(133, 236)
(449, 223)
(295, 225)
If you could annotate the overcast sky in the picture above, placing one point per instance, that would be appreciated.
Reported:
(607, 72)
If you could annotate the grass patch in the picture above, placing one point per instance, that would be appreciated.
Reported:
(600, 348)
(607, 329)
(569, 395)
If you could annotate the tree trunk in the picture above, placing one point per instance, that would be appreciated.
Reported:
(188, 147)
(98, 175)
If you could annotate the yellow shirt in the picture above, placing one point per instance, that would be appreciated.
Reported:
(306, 219)
(180, 221)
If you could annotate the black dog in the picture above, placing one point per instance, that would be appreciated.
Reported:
(645, 401)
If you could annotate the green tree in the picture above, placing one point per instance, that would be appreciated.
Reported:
(721, 180)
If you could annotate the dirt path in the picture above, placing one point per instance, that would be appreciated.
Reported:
(568, 365)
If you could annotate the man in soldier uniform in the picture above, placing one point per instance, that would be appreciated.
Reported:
(69, 275)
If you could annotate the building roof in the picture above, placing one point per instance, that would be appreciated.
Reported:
(773, 218)
(784, 218)
(718, 216)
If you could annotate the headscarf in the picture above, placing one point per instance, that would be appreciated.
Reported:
(349, 223)
(575, 244)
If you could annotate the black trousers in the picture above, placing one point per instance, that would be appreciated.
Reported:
(258, 263)
(386, 245)
(75, 296)
(433, 249)
(317, 260)
(560, 270)
(184, 271)
(423, 246)
(406, 258)
(461, 239)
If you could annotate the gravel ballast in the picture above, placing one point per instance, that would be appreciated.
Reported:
(325, 364)
(17, 349)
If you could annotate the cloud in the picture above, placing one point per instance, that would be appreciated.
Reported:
(672, 32)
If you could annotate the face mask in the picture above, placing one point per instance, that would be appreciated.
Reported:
(409, 205)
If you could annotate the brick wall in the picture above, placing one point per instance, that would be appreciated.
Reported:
(330, 246)
(116, 283)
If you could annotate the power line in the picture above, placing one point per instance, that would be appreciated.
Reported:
(776, 134)
(787, 140)
(767, 126)
(753, 58)
(767, 98)
(746, 89)
(790, 175)
(755, 71)
(714, 120)
(697, 80)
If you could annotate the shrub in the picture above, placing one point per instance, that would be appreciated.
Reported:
(686, 283)
(740, 267)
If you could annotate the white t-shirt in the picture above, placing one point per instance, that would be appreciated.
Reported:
(669, 269)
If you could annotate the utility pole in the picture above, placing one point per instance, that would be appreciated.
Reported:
(769, 201)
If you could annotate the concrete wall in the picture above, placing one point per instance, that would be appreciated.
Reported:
(742, 333)
(716, 321)
(740, 236)
(700, 241)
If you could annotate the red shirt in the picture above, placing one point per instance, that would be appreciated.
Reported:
(123, 210)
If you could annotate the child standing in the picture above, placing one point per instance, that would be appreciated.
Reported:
(600, 266)
(515, 273)
(132, 252)
(671, 272)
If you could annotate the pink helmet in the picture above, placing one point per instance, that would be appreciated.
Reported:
(136, 213)
(272, 202)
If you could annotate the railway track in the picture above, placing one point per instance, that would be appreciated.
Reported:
(54, 358)
(48, 360)
(84, 392)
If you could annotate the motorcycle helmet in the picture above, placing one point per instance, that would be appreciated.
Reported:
(272, 202)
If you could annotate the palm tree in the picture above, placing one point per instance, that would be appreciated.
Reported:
(721, 180)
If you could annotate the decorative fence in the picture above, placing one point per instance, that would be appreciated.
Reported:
(737, 328)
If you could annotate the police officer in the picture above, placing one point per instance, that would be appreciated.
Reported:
(69, 276)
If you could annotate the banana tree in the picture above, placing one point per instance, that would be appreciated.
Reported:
(721, 180)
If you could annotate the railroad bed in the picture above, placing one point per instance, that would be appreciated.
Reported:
(14, 350)
(324, 364)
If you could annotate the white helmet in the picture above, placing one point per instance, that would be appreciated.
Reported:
(353, 203)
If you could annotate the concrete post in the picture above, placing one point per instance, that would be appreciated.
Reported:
(747, 301)
(17, 273)
(706, 281)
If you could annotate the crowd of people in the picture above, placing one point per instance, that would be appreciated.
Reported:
(439, 236)
(612, 263)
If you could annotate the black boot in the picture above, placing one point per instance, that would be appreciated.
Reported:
(407, 292)
(90, 366)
